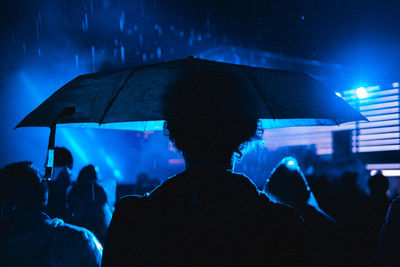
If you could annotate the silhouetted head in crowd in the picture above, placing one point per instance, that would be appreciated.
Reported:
(21, 188)
(349, 180)
(378, 184)
(87, 174)
(287, 184)
(207, 118)
(63, 163)
(63, 158)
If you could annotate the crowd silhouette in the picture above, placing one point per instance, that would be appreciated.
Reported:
(207, 215)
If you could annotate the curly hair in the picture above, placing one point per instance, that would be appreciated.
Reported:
(206, 114)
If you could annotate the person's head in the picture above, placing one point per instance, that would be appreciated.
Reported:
(287, 184)
(22, 189)
(87, 174)
(349, 180)
(63, 158)
(206, 116)
(378, 184)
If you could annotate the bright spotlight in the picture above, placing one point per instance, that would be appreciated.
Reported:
(290, 163)
(117, 174)
(395, 85)
(361, 92)
(338, 94)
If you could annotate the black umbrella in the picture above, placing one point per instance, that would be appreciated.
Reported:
(134, 98)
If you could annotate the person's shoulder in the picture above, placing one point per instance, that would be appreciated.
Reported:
(129, 201)
(73, 229)
(77, 245)
(75, 234)
(278, 211)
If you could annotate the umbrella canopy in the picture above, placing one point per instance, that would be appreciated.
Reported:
(134, 98)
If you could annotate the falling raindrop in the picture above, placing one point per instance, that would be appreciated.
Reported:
(208, 22)
(135, 28)
(144, 57)
(141, 40)
(37, 29)
(181, 33)
(77, 62)
(199, 38)
(40, 19)
(151, 56)
(86, 21)
(93, 60)
(302, 17)
(91, 7)
(40, 53)
(122, 54)
(142, 7)
(158, 52)
(122, 21)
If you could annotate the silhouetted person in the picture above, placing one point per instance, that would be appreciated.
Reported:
(349, 207)
(377, 207)
(287, 185)
(206, 215)
(87, 174)
(388, 247)
(28, 237)
(87, 204)
(59, 183)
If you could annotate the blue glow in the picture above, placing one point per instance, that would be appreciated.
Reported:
(338, 94)
(291, 163)
(74, 145)
(361, 92)
(72, 142)
(117, 174)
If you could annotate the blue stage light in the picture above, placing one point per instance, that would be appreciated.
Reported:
(361, 92)
(117, 174)
(290, 163)
(338, 94)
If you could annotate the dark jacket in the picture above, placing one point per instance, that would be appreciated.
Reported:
(33, 239)
(326, 238)
(88, 207)
(388, 247)
(204, 218)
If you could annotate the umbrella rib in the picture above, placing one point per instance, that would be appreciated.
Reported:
(260, 94)
(110, 102)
